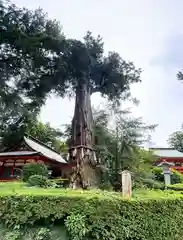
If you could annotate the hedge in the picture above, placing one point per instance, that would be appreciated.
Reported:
(97, 217)
(176, 187)
(35, 233)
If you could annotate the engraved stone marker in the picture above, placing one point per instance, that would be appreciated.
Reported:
(126, 184)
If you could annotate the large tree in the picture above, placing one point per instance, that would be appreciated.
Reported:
(118, 147)
(41, 61)
(175, 140)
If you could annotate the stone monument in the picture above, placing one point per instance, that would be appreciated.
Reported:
(126, 184)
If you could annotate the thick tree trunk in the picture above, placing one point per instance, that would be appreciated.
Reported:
(81, 148)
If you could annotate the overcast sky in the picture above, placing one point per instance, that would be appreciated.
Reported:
(147, 32)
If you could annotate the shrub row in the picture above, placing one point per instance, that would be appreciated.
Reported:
(176, 187)
(35, 233)
(87, 217)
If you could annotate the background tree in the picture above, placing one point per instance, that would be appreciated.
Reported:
(50, 136)
(119, 147)
(28, 41)
(44, 132)
(10, 133)
(14, 120)
(175, 140)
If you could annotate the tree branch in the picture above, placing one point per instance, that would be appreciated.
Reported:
(97, 89)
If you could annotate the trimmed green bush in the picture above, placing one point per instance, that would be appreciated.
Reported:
(106, 186)
(176, 187)
(43, 234)
(176, 177)
(38, 180)
(35, 233)
(12, 235)
(152, 184)
(157, 174)
(30, 169)
(103, 217)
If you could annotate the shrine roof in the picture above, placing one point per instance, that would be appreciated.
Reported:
(43, 149)
(166, 152)
(32, 147)
(17, 153)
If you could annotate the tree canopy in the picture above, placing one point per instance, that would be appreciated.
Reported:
(36, 60)
(119, 147)
(28, 41)
(42, 132)
(175, 140)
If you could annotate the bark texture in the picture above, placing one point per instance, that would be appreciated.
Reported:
(81, 149)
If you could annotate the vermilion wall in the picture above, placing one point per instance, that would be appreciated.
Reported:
(173, 160)
(15, 161)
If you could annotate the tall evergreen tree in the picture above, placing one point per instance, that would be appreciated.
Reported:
(175, 140)
(119, 146)
(41, 61)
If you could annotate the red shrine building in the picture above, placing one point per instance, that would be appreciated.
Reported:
(169, 155)
(30, 150)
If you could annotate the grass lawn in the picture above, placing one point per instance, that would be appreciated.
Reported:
(19, 188)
